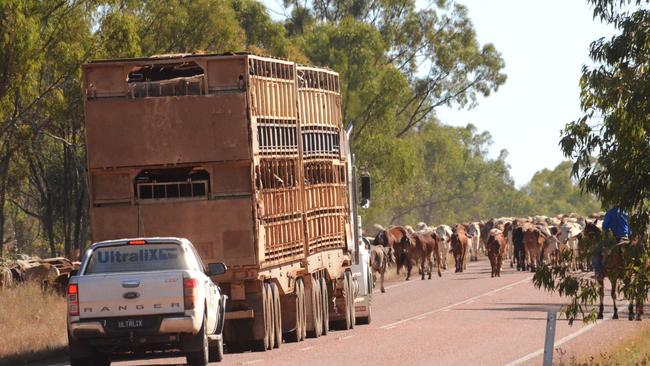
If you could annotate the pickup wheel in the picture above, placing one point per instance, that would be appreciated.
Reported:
(215, 351)
(200, 357)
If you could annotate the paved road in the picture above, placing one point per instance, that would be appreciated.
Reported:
(459, 319)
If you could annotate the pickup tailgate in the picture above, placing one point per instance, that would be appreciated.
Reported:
(131, 294)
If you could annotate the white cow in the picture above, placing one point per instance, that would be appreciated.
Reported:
(444, 232)
(569, 233)
(474, 232)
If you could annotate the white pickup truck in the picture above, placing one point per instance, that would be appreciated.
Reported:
(145, 294)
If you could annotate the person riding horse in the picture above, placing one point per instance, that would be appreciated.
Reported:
(616, 221)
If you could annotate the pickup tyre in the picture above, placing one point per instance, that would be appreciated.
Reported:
(201, 356)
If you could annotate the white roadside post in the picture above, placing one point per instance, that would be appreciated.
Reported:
(549, 344)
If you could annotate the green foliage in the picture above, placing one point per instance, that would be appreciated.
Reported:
(609, 143)
(398, 64)
(554, 192)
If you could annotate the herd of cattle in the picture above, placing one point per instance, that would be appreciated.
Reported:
(525, 242)
(51, 274)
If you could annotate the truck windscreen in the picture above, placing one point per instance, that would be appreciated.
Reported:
(136, 258)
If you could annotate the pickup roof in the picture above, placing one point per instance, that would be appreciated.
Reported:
(145, 294)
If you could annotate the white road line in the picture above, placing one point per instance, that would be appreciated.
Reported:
(347, 337)
(251, 362)
(448, 307)
(306, 349)
(560, 342)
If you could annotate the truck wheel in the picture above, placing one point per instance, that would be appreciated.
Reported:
(349, 295)
(270, 317)
(346, 324)
(368, 319)
(200, 357)
(316, 309)
(326, 306)
(277, 315)
(303, 311)
(298, 333)
(266, 343)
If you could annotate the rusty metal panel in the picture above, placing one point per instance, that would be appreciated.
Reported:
(114, 222)
(221, 230)
(105, 80)
(111, 187)
(231, 179)
(226, 73)
(166, 130)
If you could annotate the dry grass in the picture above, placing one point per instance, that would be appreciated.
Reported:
(32, 324)
(633, 351)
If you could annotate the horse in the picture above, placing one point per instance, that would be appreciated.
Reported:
(613, 266)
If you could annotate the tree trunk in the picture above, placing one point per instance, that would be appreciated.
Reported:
(4, 172)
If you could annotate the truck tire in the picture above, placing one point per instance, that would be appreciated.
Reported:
(346, 324)
(367, 319)
(348, 293)
(266, 343)
(326, 306)
(303, 311)
(200, 357)
(316, 311)
(277, 315)
(270, 328)
(298, 333)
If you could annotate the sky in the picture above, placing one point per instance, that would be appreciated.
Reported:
(544, 45)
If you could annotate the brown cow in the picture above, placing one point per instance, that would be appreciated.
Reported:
(395, 237)
(496, 246)
(534, 244)
(459, 247)
(423, 246)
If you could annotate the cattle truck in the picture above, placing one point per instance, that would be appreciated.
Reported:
(247, 157)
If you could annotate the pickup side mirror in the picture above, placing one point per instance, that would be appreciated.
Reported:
(365, 190)
(217, 269)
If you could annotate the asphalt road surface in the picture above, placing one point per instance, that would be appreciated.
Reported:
(458, 319)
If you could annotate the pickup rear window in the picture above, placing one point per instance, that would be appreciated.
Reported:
(136, 258)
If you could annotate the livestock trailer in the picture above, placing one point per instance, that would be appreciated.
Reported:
(247, 157)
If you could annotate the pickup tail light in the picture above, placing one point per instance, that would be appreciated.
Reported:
(190, 292)
(73, 299)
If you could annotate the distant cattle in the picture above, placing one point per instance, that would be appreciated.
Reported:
(424, 246)
(474, 236)
(496, 245)
(381, 258)
(459, 243)
(534, 244)
(444, 232)
(570, 233)
(519, 250)
(395, 237)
